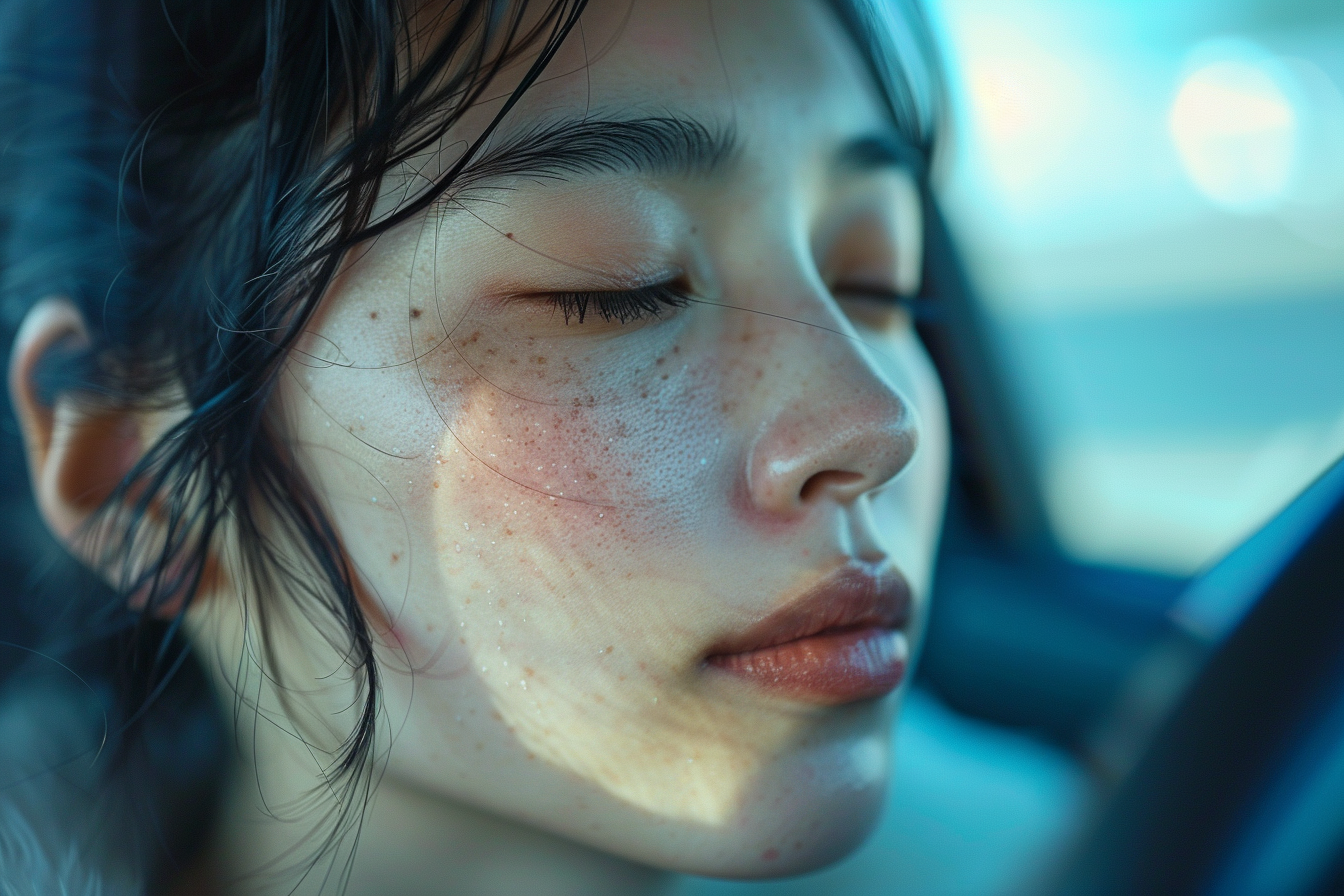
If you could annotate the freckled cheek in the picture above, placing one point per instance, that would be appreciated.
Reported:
(592, 430)
(606, 475)
(574, 484)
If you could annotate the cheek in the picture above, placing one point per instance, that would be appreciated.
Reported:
(582, 455)
(516, 494)
(567, 591)
(517, 460)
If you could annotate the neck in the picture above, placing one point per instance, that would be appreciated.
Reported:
(412, 842)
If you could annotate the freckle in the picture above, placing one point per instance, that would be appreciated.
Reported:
(663, 377)
(508, 236)
(529, 671)
(396, 557)
(607, 649)
(659, 361)
(436, 483)
(415, 312)
(373, 315)
(643, 395)
(676, 349)
(770, 854)
(599, 698)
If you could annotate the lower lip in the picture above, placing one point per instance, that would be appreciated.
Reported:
(828, 668)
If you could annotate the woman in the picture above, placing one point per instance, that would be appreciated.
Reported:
(518, 406)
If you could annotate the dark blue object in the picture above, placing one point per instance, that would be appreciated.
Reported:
(1241, 792)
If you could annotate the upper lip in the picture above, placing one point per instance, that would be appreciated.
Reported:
(853, 596)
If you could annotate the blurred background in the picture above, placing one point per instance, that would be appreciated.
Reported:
(1149, 203)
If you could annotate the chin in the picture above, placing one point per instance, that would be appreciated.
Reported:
(809, 838)
(814, 808)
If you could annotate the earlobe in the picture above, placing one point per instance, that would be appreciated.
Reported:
(77, 452)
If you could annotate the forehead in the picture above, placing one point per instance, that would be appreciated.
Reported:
(771, 68)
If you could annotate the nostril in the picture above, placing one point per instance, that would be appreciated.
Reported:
(827, 481)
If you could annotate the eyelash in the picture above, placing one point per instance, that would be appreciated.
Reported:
(621, 306)
(627, 306)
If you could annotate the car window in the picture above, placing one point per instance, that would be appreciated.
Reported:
(1150, 202)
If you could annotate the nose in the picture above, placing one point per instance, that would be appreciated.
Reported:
(847, 435)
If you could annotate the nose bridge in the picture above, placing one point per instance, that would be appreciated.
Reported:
(832, 426)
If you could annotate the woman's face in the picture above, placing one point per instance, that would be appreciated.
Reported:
(602, 428)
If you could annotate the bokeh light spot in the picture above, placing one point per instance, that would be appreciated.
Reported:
(1236, 130)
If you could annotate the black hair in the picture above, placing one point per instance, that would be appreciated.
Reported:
(192, 174)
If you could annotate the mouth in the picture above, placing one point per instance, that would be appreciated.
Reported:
(841, 641)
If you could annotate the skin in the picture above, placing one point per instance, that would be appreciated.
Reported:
(554, 522)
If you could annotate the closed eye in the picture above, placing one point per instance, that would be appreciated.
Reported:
(621, 306)
(880, 307)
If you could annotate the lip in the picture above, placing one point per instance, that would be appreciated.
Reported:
(839, 642)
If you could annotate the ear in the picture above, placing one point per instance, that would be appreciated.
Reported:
(77, 451)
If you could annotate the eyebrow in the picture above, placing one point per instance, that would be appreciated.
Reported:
(666, 145)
